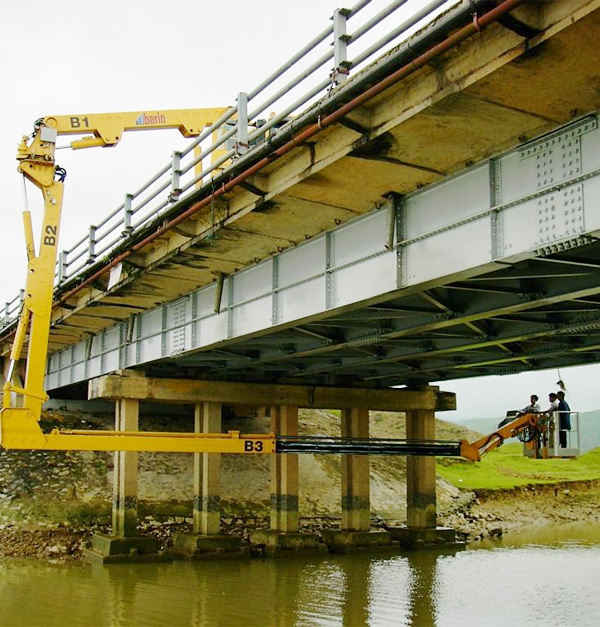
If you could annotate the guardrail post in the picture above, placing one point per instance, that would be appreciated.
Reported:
(341, 67)
(241, 145)
(6, 314)
(127, 213)
(175, 177)
(92, 244)
(63, 264)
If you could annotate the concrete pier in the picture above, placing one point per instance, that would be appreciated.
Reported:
(125, 477)
(124, 544)
(421, 504)
(355, 529)
(356, 514)
(420, 473)
(207, 473)
(284, 473)
(283, 536)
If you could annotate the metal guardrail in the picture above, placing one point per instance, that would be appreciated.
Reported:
(309, 75)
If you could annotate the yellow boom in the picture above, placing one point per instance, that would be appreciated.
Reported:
(22, 406)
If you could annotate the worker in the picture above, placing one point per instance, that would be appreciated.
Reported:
(532, 408)
(564, 418)
(553, 398)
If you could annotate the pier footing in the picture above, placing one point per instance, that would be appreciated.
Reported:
(416, 538)
(350, 541)
(212, 547)
(274, 543)
(117, 549)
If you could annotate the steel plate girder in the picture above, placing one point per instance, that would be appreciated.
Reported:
(540, 199)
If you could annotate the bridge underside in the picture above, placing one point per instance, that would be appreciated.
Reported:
(535, 306)
(541, 313)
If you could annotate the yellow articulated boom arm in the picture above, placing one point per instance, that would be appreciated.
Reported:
(22, 406)
(522, 427)
(107, 129)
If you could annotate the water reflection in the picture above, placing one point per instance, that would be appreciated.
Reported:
(543, 577)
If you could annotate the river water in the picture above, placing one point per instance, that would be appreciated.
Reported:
(547, 576)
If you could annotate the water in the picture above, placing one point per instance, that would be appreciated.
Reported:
(542, 577)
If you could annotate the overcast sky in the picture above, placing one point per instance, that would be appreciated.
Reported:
(73, 57)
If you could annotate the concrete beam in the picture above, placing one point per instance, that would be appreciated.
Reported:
(130, 384)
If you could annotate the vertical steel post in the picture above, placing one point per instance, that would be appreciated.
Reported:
(92, 244)
(340, 47)
(63, 264)
(127, 214)
(175, 177)
(241, 145)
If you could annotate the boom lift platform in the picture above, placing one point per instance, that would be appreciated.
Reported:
(22, 406)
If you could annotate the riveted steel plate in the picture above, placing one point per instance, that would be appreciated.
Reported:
(302, 300)
(360, 281)
(360, 238)
(447, 203)
(252, 316)
(249, 283)
(151, 344)
(308, 260)
(178, 312)
(449, 252)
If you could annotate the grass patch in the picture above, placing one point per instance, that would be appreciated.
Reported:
(507, 468)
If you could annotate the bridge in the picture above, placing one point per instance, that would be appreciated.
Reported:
(428, 215)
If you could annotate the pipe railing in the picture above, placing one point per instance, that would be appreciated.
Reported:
(310, 74)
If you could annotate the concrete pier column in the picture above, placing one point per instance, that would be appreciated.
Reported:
(207, 473)
(284, 473)
(356, 507)
(124, 512)
(420, 473)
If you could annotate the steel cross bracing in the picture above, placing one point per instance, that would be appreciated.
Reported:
(505, 278)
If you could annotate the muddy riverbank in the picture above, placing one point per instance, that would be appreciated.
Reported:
(474, 515)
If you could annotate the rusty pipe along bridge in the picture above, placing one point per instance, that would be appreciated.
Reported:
(429, 215)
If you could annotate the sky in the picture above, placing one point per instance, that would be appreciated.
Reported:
(73, 57)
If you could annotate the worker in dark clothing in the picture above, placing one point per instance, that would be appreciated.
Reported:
(564, 413)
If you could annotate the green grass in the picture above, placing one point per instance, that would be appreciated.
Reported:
(507, 468)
